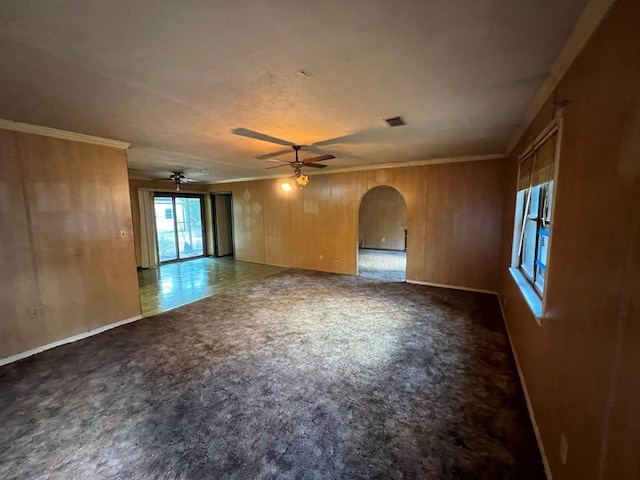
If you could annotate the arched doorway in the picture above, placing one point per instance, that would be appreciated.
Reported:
(382, 235)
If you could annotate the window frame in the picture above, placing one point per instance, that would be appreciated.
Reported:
(173, 195)
(542, 224)
(533, 294)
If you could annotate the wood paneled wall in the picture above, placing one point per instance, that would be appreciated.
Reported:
(453, 220)
(19, 330)
(464, 209)
(64, 206)
(581, 367)
(382, 219)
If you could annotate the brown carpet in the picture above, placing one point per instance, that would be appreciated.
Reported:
(299, 375)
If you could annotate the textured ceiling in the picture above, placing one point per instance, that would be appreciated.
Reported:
(177, 79)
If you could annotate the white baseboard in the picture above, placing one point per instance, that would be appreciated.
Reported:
(454, 287)
(75, 338)
(526, 396)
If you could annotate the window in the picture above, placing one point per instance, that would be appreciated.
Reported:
(533, 218)
(536, 219)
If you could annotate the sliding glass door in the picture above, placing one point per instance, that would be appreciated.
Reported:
(179, 226)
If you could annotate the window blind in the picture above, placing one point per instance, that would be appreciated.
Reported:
(537, 166)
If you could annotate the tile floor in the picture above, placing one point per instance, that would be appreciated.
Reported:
(175, 284)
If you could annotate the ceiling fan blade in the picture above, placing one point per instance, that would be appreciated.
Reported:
(267, 156)
(343, 139)
(319, 159)
(314, 165)
(245, 132)
(278, 166)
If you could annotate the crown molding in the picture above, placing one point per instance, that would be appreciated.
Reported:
(591, 17)
(417, 163)
(63, 134)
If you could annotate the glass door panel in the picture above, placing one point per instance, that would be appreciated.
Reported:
(179, 226)
(165, 228)
(189, 227)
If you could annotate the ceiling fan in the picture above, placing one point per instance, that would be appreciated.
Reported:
(297, 164)
(189, 176)
(177, 177)
(307, 162)
(314, 147)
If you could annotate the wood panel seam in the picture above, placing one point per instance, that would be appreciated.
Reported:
(32, 248)
(626, 297)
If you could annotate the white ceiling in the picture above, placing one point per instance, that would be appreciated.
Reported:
(175, 79)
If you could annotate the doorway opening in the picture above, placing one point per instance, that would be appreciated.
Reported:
(221, 209)
(382, 235)
(179, 226)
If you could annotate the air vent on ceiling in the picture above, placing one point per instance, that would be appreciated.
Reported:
(395, 121)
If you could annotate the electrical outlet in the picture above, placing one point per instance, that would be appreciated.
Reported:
(384, 239)
(321, 257)
(564, 448)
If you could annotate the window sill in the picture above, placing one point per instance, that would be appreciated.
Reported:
(530, 295)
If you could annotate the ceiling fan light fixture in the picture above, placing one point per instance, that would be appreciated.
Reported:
(298, 179)
(301, 179)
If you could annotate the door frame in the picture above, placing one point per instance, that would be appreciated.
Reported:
(406, 231)
(214, 227)
(173, 196)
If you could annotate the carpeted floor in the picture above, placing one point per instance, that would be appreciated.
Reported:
(302, 375)
(389, 265)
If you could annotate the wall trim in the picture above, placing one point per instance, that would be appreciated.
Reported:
(590, 19)
(204, 193)
(63, 134)
(74, 338)
(532, 416)
(454, 287)
(416, 163)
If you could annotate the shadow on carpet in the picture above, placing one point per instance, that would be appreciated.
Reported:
(299, 375)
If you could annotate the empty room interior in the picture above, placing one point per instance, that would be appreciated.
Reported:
(340, 239)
